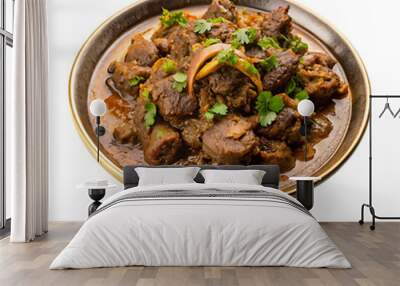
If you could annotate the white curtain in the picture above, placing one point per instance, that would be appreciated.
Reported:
(27, 160)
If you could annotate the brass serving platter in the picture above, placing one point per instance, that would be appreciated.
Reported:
(111, 39)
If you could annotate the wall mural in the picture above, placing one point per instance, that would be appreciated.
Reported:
(218, 85)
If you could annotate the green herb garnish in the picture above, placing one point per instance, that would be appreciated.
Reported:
(145, 94)
(244, 36)
(293, 86)
(217, 20)
(180, 81)
(217, 109)
(296, 44)
(250, 67)
(270, 63)
(150, 115)
(227, 56)
(169, 66)
(295, 90)
(266, 43)
(211, 41)
(268, 106)
(136, 80)
(201, 26)
(267, 119)
(302, 94)
(235, 43)
(171, 18)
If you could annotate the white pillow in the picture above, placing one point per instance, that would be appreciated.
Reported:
(247, 177)
(165, 176)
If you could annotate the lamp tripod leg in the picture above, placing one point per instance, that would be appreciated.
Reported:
(305, 139)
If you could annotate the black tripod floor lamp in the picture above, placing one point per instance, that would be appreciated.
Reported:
(370, 205)
(305, 185)
(98, 108)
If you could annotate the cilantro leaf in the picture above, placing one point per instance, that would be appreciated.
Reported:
(178, 86)
(268, 107)
(217, 20)
(136, 80)
(145, 94)
(296, 44)
(169, 66)
(150, 115)
(270, 63)
(217, 109)
(201, 26)
(290, 88)
(262, 102)
(302, 94)
(180, 81)
(266, 43)
(241, 36)
(211, 41)
(209, 115)
(295, 90)
(171, 18)
(250, 67)
(300, 47)
(227, 56)
(267, 119)
(180, 77)
(276, 104)
(236, 43)
(244, 36)
(252, 34)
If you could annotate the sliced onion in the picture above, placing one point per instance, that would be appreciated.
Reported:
(201, 56)
(208, 68)
(214, 65)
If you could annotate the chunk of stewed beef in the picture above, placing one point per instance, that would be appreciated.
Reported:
(221, 8)
(126, 77)
(322, 59)
(230, 141)
(161, 143)
(162, 146)
(173, 106)
(278, 77)
(222, 31)
(178, 42)
(275, 152)
(192, 132)
(277, 130)
(276, 23)
(142, 51)
(233, 88)
(321, 83)
(125, 133)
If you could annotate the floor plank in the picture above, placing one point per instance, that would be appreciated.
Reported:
(375, 257)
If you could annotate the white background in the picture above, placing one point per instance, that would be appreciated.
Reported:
(371, 26)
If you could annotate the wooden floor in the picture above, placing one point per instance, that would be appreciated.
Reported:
(375, 257)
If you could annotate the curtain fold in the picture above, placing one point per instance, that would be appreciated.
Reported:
(27, 121)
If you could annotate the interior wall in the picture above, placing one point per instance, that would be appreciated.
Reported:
(372, 29)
